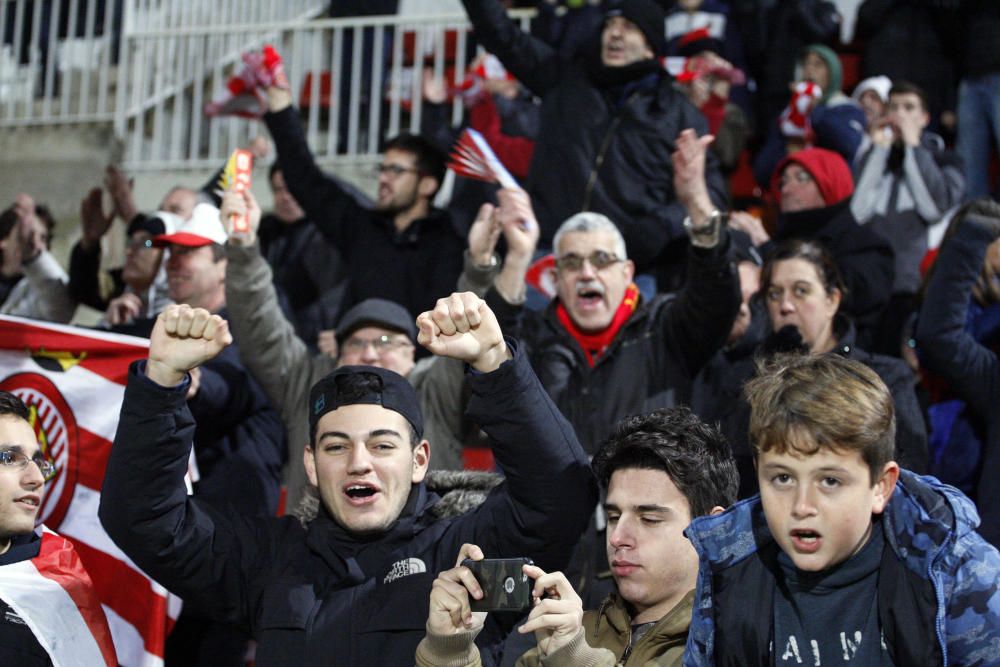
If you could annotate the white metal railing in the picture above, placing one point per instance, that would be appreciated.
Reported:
(151, 68)
(358, 79)
(59, 58)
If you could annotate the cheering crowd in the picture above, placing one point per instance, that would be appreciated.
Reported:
(724, 430)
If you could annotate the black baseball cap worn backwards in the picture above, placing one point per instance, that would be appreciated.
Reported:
(384, 387)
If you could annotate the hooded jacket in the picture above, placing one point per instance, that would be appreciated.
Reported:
(314, 593)
(603, 146)
(938, 598)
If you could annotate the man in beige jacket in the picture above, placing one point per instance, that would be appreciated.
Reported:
(659, 471)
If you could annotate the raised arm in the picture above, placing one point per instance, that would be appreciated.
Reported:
(946, 347)
(329, 206)
(699, 321)
(144, 503)
(536, 64)
(549, 490)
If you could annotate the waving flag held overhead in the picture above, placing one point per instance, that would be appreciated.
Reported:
(473, 157)
(73, 381)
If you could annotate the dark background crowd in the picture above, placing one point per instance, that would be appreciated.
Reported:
(838, 181)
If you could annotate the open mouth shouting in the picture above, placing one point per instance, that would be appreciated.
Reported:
(806, 541)
(360, 494)
(589, 296)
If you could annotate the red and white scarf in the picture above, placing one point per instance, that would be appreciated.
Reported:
(594, 344)
(53, 595)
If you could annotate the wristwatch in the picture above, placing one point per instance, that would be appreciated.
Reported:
(706, 235)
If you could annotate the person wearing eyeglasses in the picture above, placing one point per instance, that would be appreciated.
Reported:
(402, 248)
(814, 190)
(601, 350)
(41, 576)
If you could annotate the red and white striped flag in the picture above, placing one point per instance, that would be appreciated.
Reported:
(73, 381)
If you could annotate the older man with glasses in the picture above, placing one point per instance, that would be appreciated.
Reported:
(601, 350)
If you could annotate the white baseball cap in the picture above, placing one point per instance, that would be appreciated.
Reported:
(204, 227)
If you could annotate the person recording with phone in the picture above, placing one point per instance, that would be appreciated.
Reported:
(659, 471)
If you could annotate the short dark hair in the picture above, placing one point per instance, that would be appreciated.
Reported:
(353, 387)
(813, 252)
(908, 87)
(430, 160)
(11, 405)
(695, 456)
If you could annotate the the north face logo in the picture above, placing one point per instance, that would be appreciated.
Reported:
(405, 568)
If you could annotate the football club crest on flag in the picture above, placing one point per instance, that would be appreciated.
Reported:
(73, 381)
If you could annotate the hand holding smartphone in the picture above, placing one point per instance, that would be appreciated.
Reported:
(505, 585)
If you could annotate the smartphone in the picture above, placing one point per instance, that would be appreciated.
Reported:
(505, 586)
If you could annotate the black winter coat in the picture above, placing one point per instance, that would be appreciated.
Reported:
(413, 268)
(948, 349)
(652, 361)
(240, 446)
(600, 148)
(315, 594)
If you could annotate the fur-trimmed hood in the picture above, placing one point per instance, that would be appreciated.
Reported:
(459, 491)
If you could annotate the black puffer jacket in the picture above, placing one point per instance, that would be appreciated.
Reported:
(316, 594)
(600, 148)
(652, 361)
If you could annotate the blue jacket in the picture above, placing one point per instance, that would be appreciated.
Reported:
(315, 594)
(938, 597)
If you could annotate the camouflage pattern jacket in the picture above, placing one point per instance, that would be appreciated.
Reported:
(938, 599)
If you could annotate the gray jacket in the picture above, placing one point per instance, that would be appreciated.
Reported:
(283, 365)
(902, 201)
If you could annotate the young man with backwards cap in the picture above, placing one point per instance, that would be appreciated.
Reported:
(352, 585)
(608, 126)
(375, 332)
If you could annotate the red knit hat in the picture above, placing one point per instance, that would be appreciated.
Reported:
(828, 169)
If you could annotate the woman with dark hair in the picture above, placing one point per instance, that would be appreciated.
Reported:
(802, 291)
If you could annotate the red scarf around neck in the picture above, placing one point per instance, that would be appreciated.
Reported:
(594, 344)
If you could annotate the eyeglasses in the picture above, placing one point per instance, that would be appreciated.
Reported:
(598, 259)
(382, 344)
(799, 176)
(10, 458)
(393, 170)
